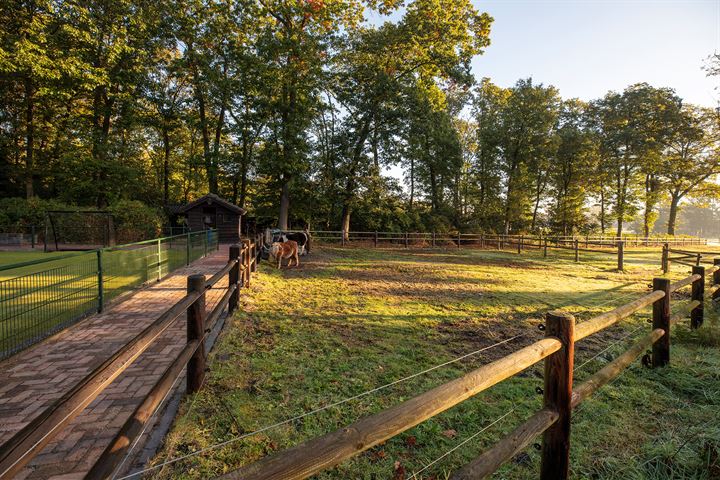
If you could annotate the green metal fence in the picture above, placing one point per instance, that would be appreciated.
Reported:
(40, 298)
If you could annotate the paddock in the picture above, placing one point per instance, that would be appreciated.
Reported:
(354, 331)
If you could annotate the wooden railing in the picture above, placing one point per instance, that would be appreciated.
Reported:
(684, 257)
(458, 239)
(560, 396)
(520, 243)
(22, 447)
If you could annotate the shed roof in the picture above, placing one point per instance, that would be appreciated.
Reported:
(210, 199)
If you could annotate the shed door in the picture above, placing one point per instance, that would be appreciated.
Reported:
(209, 217)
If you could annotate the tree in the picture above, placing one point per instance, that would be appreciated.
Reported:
(630, 131)
(691, 157)
(576, 156)
(524, 143)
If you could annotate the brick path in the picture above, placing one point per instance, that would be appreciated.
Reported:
(31, 380)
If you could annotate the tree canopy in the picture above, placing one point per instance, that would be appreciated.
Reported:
(304, 112)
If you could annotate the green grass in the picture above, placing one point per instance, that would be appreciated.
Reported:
(350, 320)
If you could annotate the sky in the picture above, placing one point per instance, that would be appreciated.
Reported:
(587, 47)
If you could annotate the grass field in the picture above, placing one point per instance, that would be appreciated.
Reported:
(351, 320)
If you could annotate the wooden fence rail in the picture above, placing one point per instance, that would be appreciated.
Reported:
(560, 397)
(684, 257)
(22, 447)
(459, 238)
(519, 243)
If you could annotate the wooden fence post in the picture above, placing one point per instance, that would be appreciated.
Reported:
(253, 255)
(246, 262)
(698, 293)
(577, 250)
(196, 331)
(234, 277)
(458, 239)
(376, 239)
(665, 255)
(661, 319)
(482, 240)
(519, 245)
(545, 248)
(621, 255)
(342, 238)
(406, 239)
(433, 238)
(557, 396)
(697, 260)
(716, 279)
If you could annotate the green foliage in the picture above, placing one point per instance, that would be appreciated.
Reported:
(296, 110)
(16, 214)
(135, 221)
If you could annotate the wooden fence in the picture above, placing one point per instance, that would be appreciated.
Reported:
(684, 257)
(560, 395)
(519, 243)
(458, 239)
(22, 447)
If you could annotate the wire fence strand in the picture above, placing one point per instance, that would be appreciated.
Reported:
(319, 409)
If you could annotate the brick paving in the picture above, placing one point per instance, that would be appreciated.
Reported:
(33, 379)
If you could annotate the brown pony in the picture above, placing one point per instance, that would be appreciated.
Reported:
(289, 250)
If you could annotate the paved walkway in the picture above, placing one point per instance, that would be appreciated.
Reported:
(33, 379)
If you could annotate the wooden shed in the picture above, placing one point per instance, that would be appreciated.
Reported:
(211, 211)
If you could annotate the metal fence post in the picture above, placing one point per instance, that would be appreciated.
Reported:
(665, 256)
(555, 463)
(233, 277)
(101, 287)
(159, 261)
(661, 319)
(698, 293)
(196, 331)
(621, 255)
(187, 244)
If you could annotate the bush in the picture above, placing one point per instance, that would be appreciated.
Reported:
(18, 214)
(135, 221)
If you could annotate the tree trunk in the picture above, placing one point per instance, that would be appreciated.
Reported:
(412, 181)
(672, 217)
(345, 223)
(166, 165)
(284, 204)
(602, 210)
(29, 137)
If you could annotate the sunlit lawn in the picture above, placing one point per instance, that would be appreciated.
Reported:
(351, 320)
